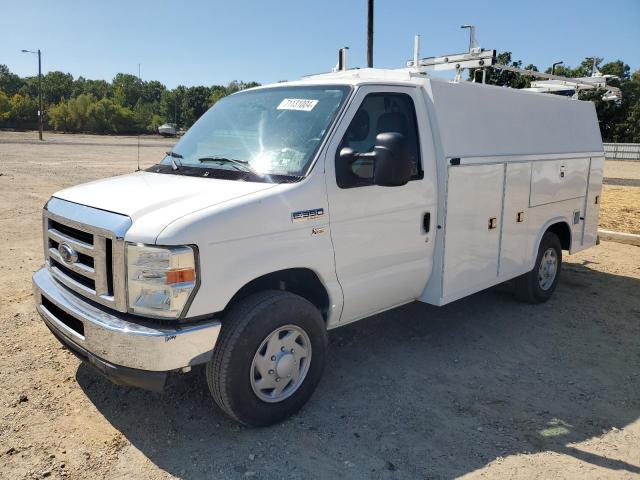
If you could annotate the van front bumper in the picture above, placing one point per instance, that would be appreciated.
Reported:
(125, 349)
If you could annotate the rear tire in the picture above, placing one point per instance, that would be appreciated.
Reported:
(273, 336)
(538, 285)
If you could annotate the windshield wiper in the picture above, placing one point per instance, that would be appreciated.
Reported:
(239, 164)
(172, 155)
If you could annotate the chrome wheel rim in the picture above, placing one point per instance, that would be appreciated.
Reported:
(548, 269)
(280, 364)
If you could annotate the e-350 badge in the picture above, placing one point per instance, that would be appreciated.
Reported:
(304, 215)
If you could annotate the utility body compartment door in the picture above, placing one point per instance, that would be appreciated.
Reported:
(516, 233)
(592, 203)
(472, 228)
(557, 180)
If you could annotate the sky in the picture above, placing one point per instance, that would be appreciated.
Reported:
(214, 42)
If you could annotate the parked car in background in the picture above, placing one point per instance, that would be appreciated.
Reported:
(168, 130)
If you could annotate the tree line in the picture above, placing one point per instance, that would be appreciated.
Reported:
(127, 104)
(130, 105)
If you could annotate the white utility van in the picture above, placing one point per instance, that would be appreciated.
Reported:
(295, 208)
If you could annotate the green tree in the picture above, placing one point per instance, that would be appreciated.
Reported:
(217, 92)
(55, 86)
(130, 105)
(60, 116)
(119, 96)
(124, 120)
(24, 112)
(130, 88)
(169, 107)
(10, 83)
(5, 108)
(152, 91)
(617, 68)
(29, 87)
(79, 108)
(504, 78)
(143, 115)
(627, 125)
(98, 88)
(102, 115)
(582, 70)
(106, 116)
(194, 104)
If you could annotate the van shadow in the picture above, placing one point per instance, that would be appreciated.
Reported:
(420, 392)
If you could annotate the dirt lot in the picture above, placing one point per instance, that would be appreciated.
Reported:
(620, 210)
(484, 388)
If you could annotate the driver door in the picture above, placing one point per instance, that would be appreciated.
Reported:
(380, 234)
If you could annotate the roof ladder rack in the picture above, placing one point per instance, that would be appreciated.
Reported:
(476, 57)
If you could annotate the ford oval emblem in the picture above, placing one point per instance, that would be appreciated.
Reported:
(67, 253)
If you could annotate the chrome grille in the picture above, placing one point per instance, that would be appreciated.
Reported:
(93, 242)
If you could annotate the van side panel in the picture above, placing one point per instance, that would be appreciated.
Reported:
(476, 256)
(542, 146)
(478, 120)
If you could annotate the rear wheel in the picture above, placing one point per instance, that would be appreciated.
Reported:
(538, 285)
(269, 358)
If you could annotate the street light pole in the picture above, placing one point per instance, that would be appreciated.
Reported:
(553, 67)
(370, 34)
(40, 106)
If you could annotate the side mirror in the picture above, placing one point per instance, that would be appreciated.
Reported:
(392, 167)
(344, 173)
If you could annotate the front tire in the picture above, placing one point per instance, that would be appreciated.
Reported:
(268, 359)
(538, 285)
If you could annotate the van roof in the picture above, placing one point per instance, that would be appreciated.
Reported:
(359, 76)
(398, 76)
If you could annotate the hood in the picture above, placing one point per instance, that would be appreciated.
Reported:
(161, 196)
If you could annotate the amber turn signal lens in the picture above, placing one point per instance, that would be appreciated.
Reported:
(181, 276)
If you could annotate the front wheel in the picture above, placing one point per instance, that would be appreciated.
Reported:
(269, 358)
(538, 285)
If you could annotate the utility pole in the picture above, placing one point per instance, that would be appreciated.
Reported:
(40, 106)
(370, 34)
(140, 96)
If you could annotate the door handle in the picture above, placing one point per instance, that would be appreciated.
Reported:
(426, 222)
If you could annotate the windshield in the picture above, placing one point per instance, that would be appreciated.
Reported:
(271, 131)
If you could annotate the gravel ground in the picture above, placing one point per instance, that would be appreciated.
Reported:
(483, 388)
(620, 209)
(629, 170)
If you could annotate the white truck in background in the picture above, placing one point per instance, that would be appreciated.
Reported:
(291, 209)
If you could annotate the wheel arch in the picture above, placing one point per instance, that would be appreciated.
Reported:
(299, 281)
(563, 231)
(559, 226)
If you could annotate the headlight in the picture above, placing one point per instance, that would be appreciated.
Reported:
(160, 280)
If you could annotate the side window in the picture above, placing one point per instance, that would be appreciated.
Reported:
(378, 113)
